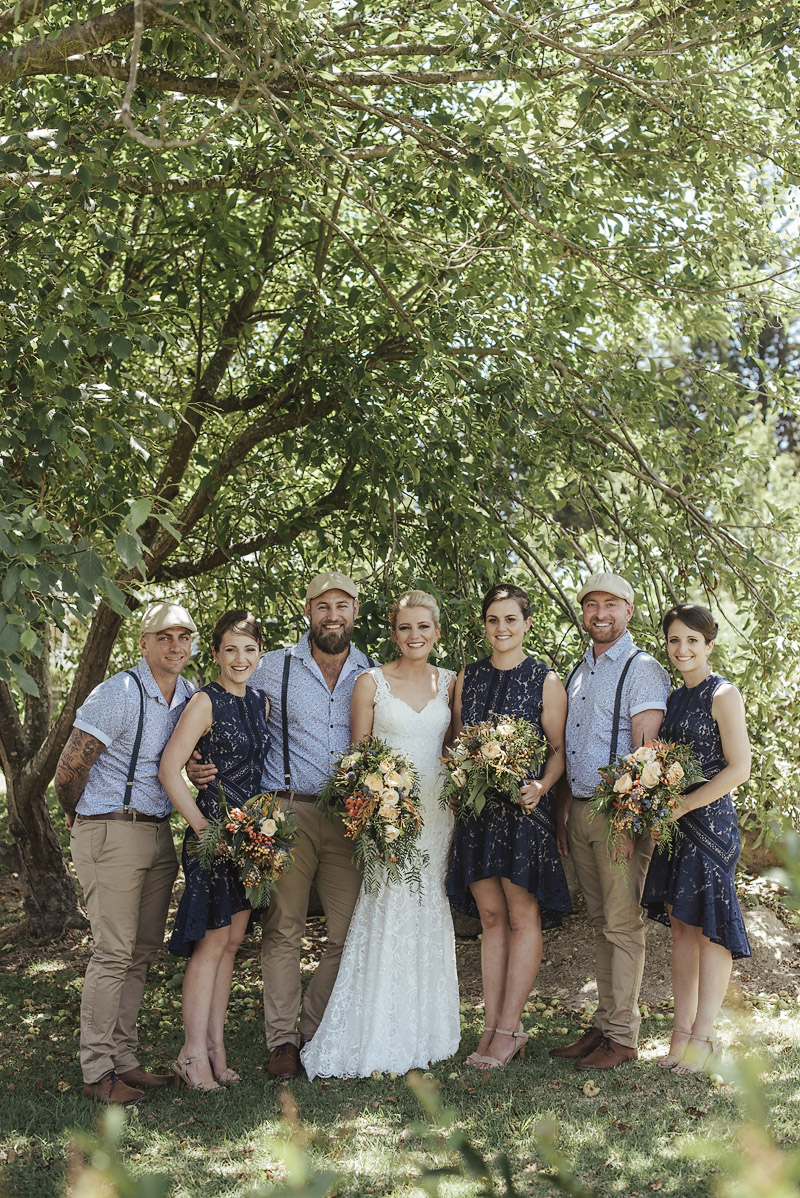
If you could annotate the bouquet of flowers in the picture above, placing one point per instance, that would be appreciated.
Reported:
(374, 789)
(641, 790)
(490, 760)
(257, 839)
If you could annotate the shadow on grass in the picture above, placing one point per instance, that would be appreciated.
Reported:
(624, 1133)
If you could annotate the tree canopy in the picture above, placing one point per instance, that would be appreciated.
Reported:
(428, 291)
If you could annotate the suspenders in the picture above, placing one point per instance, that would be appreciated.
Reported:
(287, 662)
(137, 744)
(617, 699)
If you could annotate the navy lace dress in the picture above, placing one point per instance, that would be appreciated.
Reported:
(697, 879)
(237, 745)
(504, 841)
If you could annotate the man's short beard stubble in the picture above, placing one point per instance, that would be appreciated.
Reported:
(332, 641)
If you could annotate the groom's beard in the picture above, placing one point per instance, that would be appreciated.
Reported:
(332, 640)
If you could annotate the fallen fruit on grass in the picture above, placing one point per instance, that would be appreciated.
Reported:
(590, 1089)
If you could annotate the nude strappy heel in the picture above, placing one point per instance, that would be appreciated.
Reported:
(699, 1061)
(182, 1078)
(520, 1039)
(672, 1059)
(474, 1057)
(228, 1077)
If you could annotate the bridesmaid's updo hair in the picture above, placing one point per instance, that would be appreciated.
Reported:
(506, 590)
(237, 620)
(414, 599)
(698, 618)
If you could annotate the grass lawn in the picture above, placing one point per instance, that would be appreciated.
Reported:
(625, 1133)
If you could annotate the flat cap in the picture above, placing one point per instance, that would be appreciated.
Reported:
(612, 584)
(331, 580)
(166, 615)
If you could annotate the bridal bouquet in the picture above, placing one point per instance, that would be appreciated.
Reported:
(374, 789)
(257, 839)
(489, 761)
(641, 790)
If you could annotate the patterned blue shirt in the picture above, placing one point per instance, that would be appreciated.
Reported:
(318, 719)
(111, 714)
(591, 692)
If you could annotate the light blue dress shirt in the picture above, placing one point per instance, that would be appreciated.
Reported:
(591, 692)
(318, 718)
(111, 714)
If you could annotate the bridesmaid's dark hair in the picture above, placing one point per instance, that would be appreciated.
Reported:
(506, 590)
(237, 620)
(698, 618)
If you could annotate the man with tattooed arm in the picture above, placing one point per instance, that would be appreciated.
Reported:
(118, 815)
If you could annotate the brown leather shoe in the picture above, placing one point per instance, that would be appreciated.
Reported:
(284, 1061)
(113, 1090)
(142, 1080)
(581, 1048)
(608, 1055)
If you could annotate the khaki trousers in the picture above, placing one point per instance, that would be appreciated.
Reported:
(126, 871)
(613, 903)
(322, 855)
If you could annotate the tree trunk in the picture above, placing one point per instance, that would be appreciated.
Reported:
(51, 904)
(29, 752)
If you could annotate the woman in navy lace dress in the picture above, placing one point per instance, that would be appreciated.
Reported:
(505, 865)
(693, 890)
(226, 721)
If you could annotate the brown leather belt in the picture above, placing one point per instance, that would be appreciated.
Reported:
(132, 816)
(295, 796)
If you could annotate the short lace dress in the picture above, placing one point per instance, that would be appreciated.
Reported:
(697, 880)
(237, 745)
(504, 841)
(394, 1006)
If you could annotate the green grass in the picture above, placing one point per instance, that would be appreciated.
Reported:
(629, 1137)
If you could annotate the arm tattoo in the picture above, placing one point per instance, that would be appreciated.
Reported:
(78, 756)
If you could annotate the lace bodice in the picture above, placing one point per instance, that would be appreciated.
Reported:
(420, 734)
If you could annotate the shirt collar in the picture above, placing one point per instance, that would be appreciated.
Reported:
(623, 645)
(152, 688)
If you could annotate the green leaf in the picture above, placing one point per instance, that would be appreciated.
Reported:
(129, 549)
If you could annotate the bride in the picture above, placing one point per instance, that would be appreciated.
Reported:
(395, 1003)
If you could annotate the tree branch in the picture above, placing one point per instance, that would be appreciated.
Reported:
(201, 401)
(19, 14)
(224, 554)
(48, 54)
(12, 742)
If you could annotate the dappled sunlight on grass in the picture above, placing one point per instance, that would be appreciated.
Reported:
(623, 1133)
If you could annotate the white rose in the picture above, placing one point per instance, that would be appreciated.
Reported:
(491, 750)
(651, 773)
(269, 827)
(459, 777)
(504, 729)
(393, 779)
(644, 753)
(623, 784)
(385, 766)
(374, 782)
(389, 797)
(391, 833)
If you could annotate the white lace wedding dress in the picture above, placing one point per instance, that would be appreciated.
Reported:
(395, 1003)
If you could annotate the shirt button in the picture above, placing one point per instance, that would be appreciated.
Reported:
(577, 725)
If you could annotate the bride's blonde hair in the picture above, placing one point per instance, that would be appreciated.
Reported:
(414, 599)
